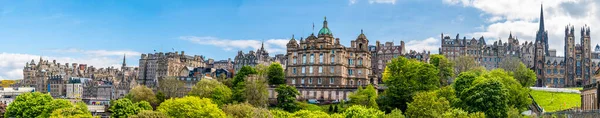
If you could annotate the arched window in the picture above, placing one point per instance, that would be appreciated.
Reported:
(332, 59)
(360, 45)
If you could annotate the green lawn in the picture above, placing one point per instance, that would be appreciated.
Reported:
(553, 101)
(576, 88)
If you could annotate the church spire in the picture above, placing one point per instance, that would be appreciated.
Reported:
(124, 64)
(542, 18)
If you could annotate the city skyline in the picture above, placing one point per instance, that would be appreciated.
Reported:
(99, 34)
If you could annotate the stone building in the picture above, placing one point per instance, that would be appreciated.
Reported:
(589, 97)
(261, 56)
(222, 64)
(56, 86)
(160, 65)
(323, 69)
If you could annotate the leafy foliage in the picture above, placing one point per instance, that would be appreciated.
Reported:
(480, 97)
(394, 114)
(525, 76)
(79, 111)
(169, 86)
(427, 104)
(239, 86)
(365, 97)
(149, 114)
(7, 83)
(216, 91)
(358, 111)
(160, 97)
(465, 63)
(278, 113)
(245, 110)
(257, 93)
(405, 77)
(275, 74)
(286, 98)
(191, 107)
(143, 93)
(444, 66)
(35, 104)
(310, 114)
(123, 108)
(518, 95)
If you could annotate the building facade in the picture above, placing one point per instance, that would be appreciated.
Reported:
(161, 65)
(323, 69)
(589, 97)
(261, 56)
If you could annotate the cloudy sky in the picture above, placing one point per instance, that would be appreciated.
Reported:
(99, 33)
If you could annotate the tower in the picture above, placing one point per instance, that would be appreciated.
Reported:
(570, 59)
(586, 56)
(541, 51)
(124, 64)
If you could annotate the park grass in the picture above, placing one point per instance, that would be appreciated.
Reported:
(556, 101)
(576, 88)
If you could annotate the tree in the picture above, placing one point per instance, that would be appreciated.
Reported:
(358, 111)
(365, 97)
(525, 76)
(34, 104)
(488, 96)
(7, 83)
(445, 68)
(219, 93)
(275, 74)
(459, 113)
(405, 77)
(427, 104)
(143, 93)
(257, 93)
(518, 96)
(149, 114)
(160, 97)
(394, 114)
(245, 110)
(123, 108)
(169, 86)
(239, 85)
(330, 108)
(79, 111)
(510, 63)
(286, 98)
(464, 81)
(278, 113)
(309, 114)
(191, 107)
(465, 63)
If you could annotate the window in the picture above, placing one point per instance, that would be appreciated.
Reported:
(349, 71)
(294, 60)
(332, 59)
(312, 58)
(310, 80)
(302, 82)
(359, 61)
(320, 69)
(350, 62)
(359, 82)
(303, 70)
(359, 72)
(332, 69)
(319, 81)
(351, 82)
(321, 58)
(293, 81)
(294, 70)
(548, 71)
(303, 59)
(310, 69)
(331, 80)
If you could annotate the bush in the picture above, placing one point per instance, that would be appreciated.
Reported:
(245, 110)
(191, 107)
(358, 111)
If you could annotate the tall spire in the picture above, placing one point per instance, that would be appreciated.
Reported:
(325, 22)
(542, 18)
(262, 46)
(124, 64)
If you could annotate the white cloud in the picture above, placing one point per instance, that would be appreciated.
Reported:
(11, 64)
(352, 2)
(98, 52)
(522, 17)
(271, 45)
(429, 44)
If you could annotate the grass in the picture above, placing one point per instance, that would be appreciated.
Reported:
(555, 101)
(576, 88)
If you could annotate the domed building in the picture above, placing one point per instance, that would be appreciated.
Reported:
(323, 69)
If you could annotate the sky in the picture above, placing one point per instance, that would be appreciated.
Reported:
(100, 33)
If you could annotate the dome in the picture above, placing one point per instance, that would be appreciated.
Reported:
(324, 30)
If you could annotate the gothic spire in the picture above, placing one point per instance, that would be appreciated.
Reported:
(124, 64)
(542, 18)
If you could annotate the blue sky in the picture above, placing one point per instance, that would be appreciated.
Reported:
(100, 32)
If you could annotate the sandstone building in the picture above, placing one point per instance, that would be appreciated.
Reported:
(161, 65)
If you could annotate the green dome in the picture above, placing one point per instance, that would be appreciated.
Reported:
(325, 30)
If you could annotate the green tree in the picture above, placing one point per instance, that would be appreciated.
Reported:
(286, 98)
(365, 97)
(404, 78)
(239, 85)
(123, 108)
(459, 113)
(358, 111)
(160, 97)
(245, 110)
(219, 93)
(465, 63)
(518, 95)
(330, 108)
(449, 94)
(463, 82)
(79, 111)
(169, 86)
(396, 113)
(34, 104)
(191, 107)
(143, 93)
(276, 75)
(525, 76)
(488, 96)
(309, 114)
(257, 93)
(444, 66)
(278, 113)
(149, 114)
(427, 104)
